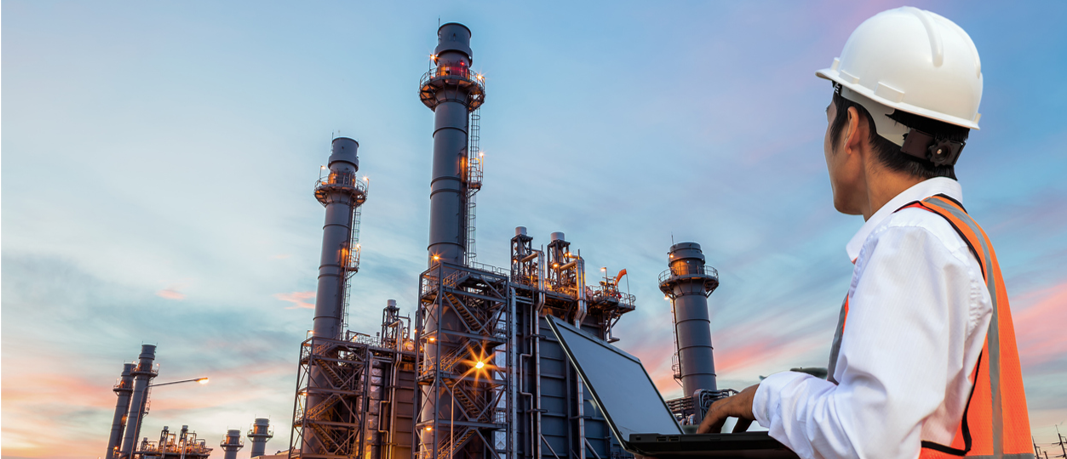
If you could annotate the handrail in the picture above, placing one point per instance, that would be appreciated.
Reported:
(687, 270)
(343, 180)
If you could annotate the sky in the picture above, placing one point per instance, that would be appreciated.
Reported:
(158, 160)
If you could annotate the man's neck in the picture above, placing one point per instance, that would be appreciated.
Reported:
(884, 185)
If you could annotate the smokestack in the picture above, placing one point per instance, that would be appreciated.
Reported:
(142, 377)
(341, 192)
(232, 443)
(259, 434)
(124, 389)
(688, 283)
(452, 91)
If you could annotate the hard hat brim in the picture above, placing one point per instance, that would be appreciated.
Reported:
(835, 76)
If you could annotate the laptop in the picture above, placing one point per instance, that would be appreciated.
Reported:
(637, 414)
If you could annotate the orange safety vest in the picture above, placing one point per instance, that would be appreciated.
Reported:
(995, 423)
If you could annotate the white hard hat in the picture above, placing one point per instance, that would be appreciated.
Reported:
(914, 61)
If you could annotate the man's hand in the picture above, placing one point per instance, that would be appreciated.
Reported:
(738, 406)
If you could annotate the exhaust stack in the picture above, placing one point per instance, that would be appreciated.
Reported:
(342, 193)
(687, 284)
(259, 434)
(232, 443)
(142, 377)
(124, 390)
(452, 91)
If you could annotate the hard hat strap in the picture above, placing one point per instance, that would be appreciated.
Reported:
(939, 151)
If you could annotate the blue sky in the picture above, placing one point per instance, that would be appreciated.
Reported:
(158, 161)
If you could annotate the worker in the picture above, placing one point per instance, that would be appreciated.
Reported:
(924, 362)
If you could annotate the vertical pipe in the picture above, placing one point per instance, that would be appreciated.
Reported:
(142, 377)
(340, 194)
(231, 443)
(688, 284)
(513, 380)
(259, 434)
(124, 389)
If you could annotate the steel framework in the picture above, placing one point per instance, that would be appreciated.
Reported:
(364, 399)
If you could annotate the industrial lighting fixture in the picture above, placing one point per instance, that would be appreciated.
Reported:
(432, 339)
(429, 428)
(199, 380)
(479, 365)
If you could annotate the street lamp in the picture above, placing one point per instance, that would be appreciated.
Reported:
(199, 380)
(452, 409)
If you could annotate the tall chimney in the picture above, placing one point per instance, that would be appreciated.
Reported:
(341, 192)
(232, 443)
(142, 377)
(124, 389)
(452, 91)
(260, 433)
(688, 283)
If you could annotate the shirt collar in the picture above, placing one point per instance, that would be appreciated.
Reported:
(918, 192)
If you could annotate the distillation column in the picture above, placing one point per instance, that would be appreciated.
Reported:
(688, 283)
(142, 377)
(124, 389)
(259, 434)
(342, 193)
(232, 443)
(452, 91)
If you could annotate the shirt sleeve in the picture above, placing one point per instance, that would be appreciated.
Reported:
(893, 366)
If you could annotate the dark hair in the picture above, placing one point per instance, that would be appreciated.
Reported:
(889, 153)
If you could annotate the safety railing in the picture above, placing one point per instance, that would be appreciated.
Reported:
(456, 72)
(687, 270)
(337, 180)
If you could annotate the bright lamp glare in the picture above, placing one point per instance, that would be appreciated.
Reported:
(479, 365)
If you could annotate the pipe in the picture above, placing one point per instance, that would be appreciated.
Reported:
(260, 434)
(232, 443)
(142, 377)
(124, 389)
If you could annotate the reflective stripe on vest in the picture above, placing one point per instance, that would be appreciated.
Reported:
(995, 423)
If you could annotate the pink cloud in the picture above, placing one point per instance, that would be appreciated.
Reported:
(1039, 317)
(297, 298)
(171, 293)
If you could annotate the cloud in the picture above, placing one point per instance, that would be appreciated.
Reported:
(1039, 327)
(170, 293)
(297, 298)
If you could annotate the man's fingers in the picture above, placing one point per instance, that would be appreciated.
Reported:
(742, 425)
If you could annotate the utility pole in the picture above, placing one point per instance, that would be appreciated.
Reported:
(1061, 442)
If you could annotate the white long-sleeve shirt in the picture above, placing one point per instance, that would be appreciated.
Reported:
(917, 320)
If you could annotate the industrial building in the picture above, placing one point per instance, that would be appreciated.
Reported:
(134, 390)
(475, 372)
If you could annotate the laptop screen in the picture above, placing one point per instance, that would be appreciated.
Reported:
(619, 383)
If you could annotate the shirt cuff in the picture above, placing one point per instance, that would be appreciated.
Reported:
(767, 401)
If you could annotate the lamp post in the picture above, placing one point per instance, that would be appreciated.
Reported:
(141, 409)
(199, 380)
(452, 409)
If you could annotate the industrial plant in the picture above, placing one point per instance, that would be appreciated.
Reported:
(474, 371)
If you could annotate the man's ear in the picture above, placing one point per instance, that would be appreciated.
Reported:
(852, 135)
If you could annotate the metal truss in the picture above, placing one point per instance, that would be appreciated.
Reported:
(464, 325)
